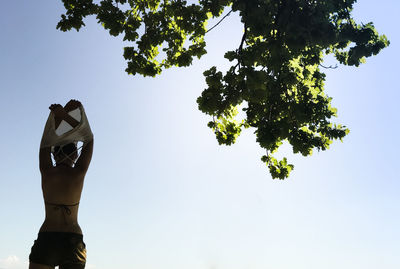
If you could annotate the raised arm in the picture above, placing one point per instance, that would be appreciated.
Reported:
(45, 162)
(82, 133)
(87, 149)
(86, 156)
(60, 114)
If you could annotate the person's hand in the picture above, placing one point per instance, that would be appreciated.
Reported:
(54, 106)
(59, 113)
(72, 105)
(57, 109)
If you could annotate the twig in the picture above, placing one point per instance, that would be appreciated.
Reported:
(329, 67)
(243, 38)
(229, 13)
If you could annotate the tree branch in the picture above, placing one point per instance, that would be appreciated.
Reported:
(229, 13)
(243, 38)
(239, 50)
(329, 67)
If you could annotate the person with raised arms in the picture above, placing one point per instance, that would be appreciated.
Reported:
(60, 239)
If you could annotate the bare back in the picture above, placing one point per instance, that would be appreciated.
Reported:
(62, 188)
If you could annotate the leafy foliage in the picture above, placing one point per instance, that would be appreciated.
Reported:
(275, 73)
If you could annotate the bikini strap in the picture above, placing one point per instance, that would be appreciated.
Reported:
(62, 206)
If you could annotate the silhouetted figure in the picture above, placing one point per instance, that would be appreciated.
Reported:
(60, 240)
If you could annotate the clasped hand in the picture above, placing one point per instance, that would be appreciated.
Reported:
(61, 113)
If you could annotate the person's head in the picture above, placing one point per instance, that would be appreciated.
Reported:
(65, 154)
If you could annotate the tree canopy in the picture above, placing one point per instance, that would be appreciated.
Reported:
(276, 70)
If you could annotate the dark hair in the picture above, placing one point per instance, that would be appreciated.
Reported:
(66, 149)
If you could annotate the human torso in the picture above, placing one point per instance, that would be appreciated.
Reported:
(62, 188)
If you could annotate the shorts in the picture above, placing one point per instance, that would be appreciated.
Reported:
(66, 250)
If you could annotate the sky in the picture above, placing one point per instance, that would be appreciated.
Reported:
(160, 192)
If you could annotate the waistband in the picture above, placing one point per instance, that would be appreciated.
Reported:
(59, 235)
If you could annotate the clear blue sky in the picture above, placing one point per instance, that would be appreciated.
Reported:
(160, 193)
